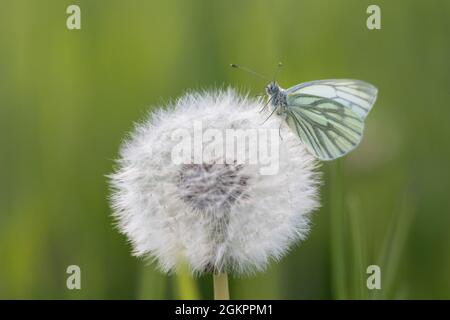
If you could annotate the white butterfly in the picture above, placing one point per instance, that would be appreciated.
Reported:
(327, 115)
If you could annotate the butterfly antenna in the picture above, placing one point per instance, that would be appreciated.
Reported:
(249, 71)
(279, 65)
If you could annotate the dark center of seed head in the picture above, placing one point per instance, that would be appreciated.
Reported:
(212, 186)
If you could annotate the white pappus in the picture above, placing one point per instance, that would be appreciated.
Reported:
(214, 216)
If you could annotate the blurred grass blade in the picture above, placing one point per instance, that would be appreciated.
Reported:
(337, 229)
(358, 247)
(153, 284)
(393, 245)
(185, 285)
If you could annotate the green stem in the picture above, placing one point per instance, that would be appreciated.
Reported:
(221, 291)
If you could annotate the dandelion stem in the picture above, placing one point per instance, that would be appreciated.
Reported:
(221, 286)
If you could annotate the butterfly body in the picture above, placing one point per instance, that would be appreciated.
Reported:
(327, 115)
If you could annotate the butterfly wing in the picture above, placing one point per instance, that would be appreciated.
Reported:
(328, 115)
(357, 95)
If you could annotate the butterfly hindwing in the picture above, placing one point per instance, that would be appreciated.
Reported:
(328, 128)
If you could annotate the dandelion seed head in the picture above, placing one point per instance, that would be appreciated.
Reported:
(217, 215)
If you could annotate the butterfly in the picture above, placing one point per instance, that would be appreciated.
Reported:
(327, 115)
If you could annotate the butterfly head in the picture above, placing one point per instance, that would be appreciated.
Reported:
(272, 89)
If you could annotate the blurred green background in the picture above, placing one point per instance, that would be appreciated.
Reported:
(67, 98)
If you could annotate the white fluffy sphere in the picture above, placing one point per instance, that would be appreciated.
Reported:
(214, 216)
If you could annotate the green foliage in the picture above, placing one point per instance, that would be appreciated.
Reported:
(67, 97)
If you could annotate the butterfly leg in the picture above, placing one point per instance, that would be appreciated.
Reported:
(265, 105)
(279, 130)
(281, 123)
(273, 111)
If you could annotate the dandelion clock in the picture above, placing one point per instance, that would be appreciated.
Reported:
(211, 183)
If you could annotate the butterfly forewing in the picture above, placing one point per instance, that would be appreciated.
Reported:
(357, 95)
(328, 128)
